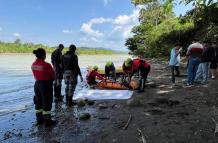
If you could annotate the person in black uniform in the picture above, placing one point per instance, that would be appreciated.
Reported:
(71, 72)
(56, 59)
(110, 70)
(214, 59)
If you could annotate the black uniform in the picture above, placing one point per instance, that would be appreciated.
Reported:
(214, 58)
(71, 72)
(56, 59)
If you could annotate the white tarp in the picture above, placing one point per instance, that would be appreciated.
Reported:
(103, 94)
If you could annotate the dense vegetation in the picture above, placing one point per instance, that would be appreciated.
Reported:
(160, 29)
(18, 47)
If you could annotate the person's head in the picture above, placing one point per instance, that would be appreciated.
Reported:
(72, 48)
(128, 62)
(60, 47)
(178, 45)
(40, 53)
(95, 68)
(109, 64)
(195, 40)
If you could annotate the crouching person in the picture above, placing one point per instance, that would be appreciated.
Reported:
(110, 70)
(91, 76)
(71, 72)
(44, 75)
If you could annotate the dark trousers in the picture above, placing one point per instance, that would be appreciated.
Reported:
(143, 77)
(70, 80)
(111, 74)
(43, 98)
(173, 69)
(57, 88)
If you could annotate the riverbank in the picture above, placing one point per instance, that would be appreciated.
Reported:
(162, 114)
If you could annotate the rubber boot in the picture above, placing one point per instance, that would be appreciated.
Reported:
(48, 121)
(70, 101)
(39, 119)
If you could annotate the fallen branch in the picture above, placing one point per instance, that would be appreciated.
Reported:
(128, 122)
(142, 136)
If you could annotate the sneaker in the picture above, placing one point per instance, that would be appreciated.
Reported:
(213, 77)
(188, 85)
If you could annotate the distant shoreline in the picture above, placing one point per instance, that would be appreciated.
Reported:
(50, 53)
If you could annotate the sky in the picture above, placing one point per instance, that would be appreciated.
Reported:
(85, 23)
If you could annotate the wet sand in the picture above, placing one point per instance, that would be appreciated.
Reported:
(162, 114)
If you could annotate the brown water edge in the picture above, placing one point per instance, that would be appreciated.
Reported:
(162, 114)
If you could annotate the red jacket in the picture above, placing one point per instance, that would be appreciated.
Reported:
(92, 75)
(42, 70)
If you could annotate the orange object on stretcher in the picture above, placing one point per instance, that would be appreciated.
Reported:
(116, 85)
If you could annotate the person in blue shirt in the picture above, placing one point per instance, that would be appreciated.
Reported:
(175, 61)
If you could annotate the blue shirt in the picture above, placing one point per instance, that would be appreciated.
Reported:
(174, 60)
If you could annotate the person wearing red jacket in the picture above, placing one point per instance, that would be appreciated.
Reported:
(144, 70)
(137, 66)
(43, 88)
(91, 76)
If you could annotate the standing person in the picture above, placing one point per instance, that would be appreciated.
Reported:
(44, 76)
(203, 68)
(194, 53)
(110, 70)
(214, 60)
(175, 61)
(71, 72)
(56, 59)
(144, 70)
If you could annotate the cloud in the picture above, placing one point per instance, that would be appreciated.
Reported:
(106, 2)
(87, 27)
(16, 34)
(118, 29)
(67, 31)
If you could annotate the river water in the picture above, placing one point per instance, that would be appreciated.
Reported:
(16, 80)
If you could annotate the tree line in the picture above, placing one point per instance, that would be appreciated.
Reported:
(18, 47)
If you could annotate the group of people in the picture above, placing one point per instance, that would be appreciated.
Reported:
(49, 78)
(64, 66)
(201, 57)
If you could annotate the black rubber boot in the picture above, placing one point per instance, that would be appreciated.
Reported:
(48, 121)
(70, 101)
(58, 98)
(39, 119)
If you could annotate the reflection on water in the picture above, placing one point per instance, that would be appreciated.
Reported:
(16, 80)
